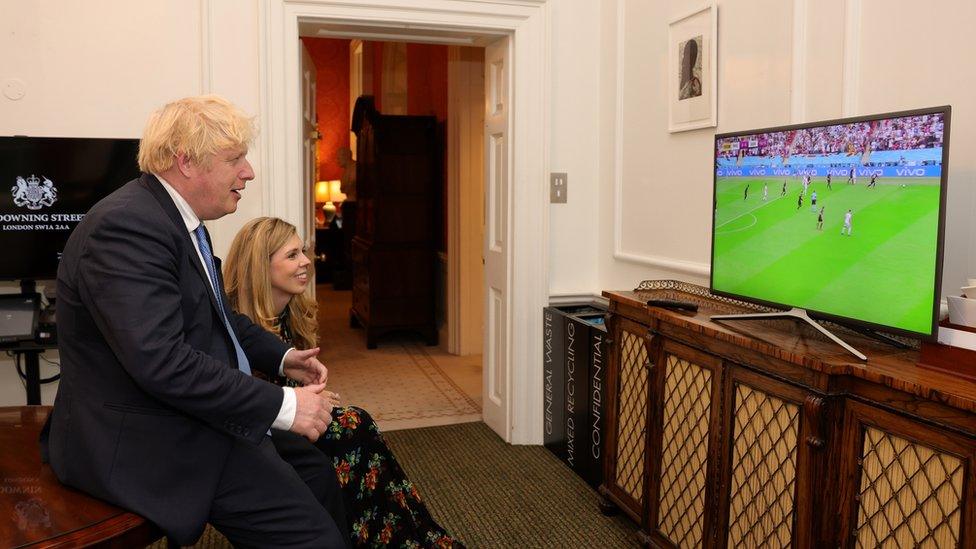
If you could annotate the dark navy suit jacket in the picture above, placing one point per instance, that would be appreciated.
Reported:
(150, 400)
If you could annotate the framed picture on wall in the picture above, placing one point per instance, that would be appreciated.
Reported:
(692, 70)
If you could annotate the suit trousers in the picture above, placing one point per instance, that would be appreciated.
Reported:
(267, 499)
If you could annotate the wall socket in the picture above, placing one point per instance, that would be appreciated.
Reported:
(557, 188)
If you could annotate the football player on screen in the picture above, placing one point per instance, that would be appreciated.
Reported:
(847, 222)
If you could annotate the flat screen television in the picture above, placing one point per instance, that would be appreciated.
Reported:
(842, 218)
(47, 184)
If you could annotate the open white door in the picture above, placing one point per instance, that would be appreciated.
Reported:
(496, 390)
(310, 137)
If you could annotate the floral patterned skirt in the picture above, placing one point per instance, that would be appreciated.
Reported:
(382, 505)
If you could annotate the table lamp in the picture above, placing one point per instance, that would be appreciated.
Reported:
(328, 192)
(321, 197)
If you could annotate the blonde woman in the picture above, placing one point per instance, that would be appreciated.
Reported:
(267, 276)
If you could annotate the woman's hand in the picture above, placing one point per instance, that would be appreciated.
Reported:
(304, 367)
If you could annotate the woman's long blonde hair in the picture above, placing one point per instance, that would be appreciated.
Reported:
(247, 280)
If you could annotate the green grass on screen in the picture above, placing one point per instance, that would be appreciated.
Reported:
(883, 273)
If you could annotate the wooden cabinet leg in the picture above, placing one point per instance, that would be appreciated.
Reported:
(607, 507)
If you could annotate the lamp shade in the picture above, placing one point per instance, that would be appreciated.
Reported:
(335, 191)
(322, 191)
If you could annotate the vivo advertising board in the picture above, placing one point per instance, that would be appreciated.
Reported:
(823, 171)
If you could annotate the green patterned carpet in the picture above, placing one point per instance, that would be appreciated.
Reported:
(491, 494)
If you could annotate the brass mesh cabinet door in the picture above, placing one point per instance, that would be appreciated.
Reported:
(626, 450)
(764, 431)
(684, 446)
(912, 485)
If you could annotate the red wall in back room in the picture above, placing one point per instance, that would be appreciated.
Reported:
(427, 80)
(331, 58)
(427, 95)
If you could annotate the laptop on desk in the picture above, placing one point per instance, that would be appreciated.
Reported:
(18, 317)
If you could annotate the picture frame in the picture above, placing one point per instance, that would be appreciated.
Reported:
(693, 70)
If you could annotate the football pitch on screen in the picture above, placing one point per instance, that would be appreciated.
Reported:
(883, 272)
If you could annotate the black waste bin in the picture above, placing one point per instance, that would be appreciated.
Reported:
(566, 381)
(591, 432)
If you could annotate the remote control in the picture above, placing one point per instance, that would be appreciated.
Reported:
(673, 304)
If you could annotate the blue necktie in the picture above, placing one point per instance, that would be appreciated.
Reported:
(208, 260)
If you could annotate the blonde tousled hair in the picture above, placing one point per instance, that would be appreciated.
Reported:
(198, 127)
(247, 281)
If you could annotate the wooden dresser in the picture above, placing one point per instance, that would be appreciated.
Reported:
(765, 434)
(398, 176)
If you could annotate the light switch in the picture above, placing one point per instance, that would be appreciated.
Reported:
(557, 188)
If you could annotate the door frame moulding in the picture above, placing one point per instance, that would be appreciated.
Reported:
(527, 22)
(465, 244)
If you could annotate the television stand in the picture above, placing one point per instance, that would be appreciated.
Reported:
(799, 314)
(880, 336)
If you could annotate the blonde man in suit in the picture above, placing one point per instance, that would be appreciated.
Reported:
(157, 411)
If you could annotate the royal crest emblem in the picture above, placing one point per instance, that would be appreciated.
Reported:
(34, 193)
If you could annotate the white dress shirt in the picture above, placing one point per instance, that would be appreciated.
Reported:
(286, 415)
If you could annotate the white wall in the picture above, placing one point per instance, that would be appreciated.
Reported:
(97, 68)
(231, 68)
(574, 148)
(779, 62)
(920, 60)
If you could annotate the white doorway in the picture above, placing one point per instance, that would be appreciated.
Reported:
(513, 335)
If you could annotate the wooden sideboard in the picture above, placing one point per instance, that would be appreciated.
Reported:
(764, 433)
